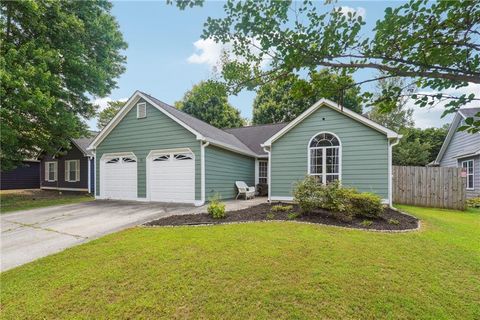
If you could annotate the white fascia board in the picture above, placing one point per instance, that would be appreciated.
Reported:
(126, 108)
(334, 106)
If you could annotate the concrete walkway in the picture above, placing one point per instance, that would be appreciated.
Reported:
(32, 234)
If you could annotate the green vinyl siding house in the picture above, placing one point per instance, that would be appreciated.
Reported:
(151, 151)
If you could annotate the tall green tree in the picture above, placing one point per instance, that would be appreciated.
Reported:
(390, 110)
(208, 101)
(108, 113)
(435, 45)
(285, 99)
(54, 56)
(411, 152)
(419, 147)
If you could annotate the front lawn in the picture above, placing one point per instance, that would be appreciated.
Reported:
(259, 270)
(14, 200)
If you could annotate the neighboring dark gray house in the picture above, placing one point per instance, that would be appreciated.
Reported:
(25, 176)
(462, 149)
(69, 170)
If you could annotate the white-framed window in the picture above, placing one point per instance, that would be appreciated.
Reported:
(468, 167)
(324, 157)
(72, 170)
(51, 171)
(262, 171)
(141, 110)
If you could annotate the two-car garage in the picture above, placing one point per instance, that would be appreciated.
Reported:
(170, 176)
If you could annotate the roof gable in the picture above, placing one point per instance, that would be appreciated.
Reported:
(202, 130)
(332, 105)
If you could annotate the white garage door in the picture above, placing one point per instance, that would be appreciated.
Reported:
(172, 177)
(119, 177)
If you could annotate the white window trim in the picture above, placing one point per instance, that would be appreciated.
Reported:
(47, 171)
(473, 174)
(266, 170)
(67, 170)
(141, 105)
(340, 158)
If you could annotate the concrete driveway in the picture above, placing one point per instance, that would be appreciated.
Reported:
(32, 234)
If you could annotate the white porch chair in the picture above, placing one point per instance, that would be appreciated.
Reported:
(244, 190)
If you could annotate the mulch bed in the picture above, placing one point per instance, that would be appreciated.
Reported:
(259, 213)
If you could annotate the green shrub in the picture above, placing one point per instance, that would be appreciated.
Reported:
(343, 203)
(216, 208)
(366, 204)
(270, 216)
(306, 194)
(473, 202)
(366, 223)
(292, 216)
(280, 208)
(393, 221)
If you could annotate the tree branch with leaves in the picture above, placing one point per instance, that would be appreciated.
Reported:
(434, 44)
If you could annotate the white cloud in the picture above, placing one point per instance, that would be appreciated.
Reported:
(206, 51)
(432, 116)
(209, 52)
(360, 11)
(103, 102)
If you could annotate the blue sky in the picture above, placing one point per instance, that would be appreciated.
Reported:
(165, 57)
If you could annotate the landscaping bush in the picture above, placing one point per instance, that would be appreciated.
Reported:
(343, 203)
(307, 194)
(216, 208)
(473, 202)
(366, 204)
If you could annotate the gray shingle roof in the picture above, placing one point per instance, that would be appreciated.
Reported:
(203, 128)
(470, 112)
(84, 142)
(254, 136)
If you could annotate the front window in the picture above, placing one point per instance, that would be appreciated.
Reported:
(72, 170)
(468, 168)
(262, 171)
(51, 171)
(324, 157)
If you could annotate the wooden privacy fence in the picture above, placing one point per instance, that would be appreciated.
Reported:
(429, 187)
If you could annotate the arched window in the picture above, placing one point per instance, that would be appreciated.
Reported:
(324, 152)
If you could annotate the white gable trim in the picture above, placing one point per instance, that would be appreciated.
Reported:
(451, 131)
(336, 107)
(123, 112)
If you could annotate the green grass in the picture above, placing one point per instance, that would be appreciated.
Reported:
(27, 199)
(259, 270)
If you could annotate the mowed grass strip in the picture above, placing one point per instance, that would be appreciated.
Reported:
(15, 200)
(259, 270)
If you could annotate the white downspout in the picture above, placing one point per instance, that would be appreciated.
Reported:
(202, 169)
(95, 174)
(89, 174)
(269, 170)
(390, 173)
